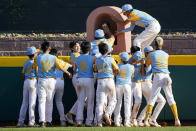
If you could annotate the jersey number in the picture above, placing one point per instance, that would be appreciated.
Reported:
(83, 65)
(161, 62)
(123, 73)
(46, 66)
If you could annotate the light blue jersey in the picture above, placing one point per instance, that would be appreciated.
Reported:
(139, 18)
(159, 61)
(105, 66)
(59, 73)
(73, 57)
(84, 64)
(95, 43)
(137, 75)
(46, 65)
(126, 72)
(28, 70)
(148, 70)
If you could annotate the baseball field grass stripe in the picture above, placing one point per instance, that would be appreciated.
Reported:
(18, 61)
(102, 129)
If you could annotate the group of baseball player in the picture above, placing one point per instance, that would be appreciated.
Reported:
(100, 81)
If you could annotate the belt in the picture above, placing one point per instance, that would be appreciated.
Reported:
(30, 78)
(146, 80)
(159, 73)
(155, 21)
(47, 77)
(137, 81)
(61, 78)
(74, 73)
(105, 78)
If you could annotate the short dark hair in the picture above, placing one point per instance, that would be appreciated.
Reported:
(134, 49)
(125, 62)
(85, 46)
(45, 46)
(53, 51)
(103, 48)
(31, 56)
(72, 44)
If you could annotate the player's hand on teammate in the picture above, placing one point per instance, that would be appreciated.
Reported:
(70, 75)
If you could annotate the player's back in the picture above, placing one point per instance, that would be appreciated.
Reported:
(137, 73)
(159, 61)
(124, 77)
(28, 70)
(141, 18)
(104, 67)
(73, 57)
(95, 43)
(148, 70)
(46, 65)
(84, 64)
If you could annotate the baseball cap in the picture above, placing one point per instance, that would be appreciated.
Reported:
(126, 7)
(32, 50)
(124, 56)
(159, 41)
(148, 49)
(99, 33)
(137, 55)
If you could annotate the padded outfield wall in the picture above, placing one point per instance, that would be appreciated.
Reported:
(182, 68)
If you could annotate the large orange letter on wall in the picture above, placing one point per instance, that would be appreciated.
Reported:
(102, 14)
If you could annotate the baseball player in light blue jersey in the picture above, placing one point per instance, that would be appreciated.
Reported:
(47, 64)
(100, 38)
(123, 88)
(136, 85)
(84, 64)
(59, 88)
(141, 19)
(105, 65)
(29, 89)
(159, 62)
(146, 91)
(75, 49)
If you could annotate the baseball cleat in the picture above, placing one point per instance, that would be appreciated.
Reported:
(135, 124)
(69, 119)
(42, 124)
(126, 124)
(146, 123)
(108, 121)
(154, 123)
(63, 123)
(21, 124)
(140, 124)
(99, 125)
(32, 124)
(117, 124)
(177, 122)
(79, 123)
(89, 125)
(48, 124)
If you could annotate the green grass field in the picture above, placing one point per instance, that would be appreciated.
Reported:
(102, 129)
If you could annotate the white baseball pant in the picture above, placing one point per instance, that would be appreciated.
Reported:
(146, 91)
(137, 93)
(105, 89)
(85, 89)
(74, 82)
(46, 90)
(148, 35)
(59, 91)
(161, 80)
(120, 91)
(29, 99)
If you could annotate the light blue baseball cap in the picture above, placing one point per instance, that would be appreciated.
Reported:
(126, 7)
(124, 56)
(137, 55)
(31, 50)
(148, 49)
(99, 33)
